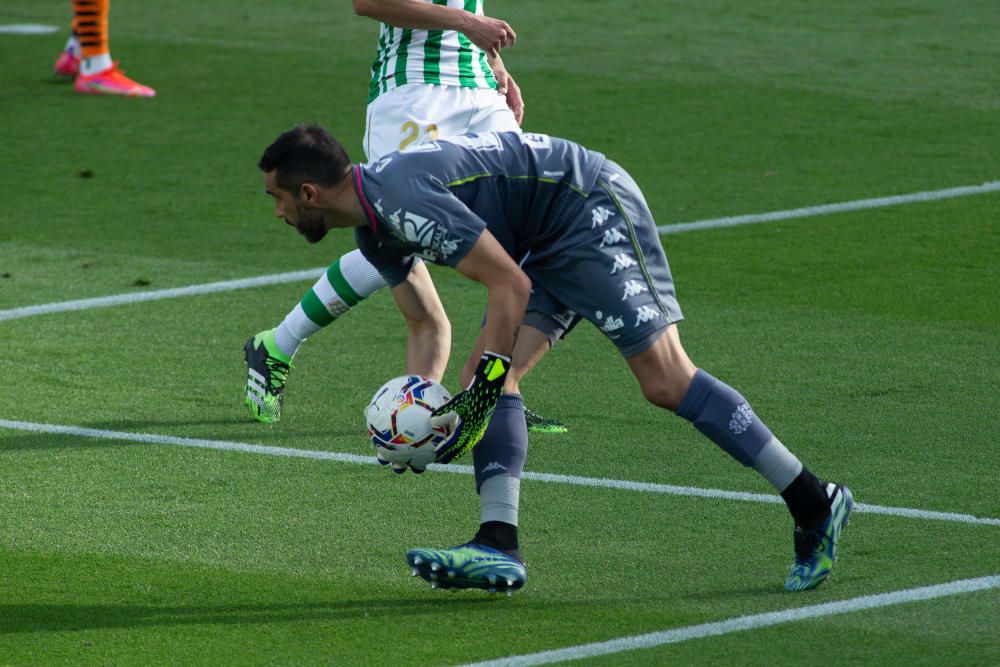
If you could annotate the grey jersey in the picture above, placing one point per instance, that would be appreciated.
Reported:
(434, 199)
(577, 222)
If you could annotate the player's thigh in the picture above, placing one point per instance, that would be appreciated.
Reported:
(413, 113)
(614, 271)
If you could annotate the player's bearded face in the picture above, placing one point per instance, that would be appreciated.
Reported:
(310, 222)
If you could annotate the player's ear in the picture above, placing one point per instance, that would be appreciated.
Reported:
(309, 192)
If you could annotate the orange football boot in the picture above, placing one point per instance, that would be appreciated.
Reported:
(112, 81)
(67, 65)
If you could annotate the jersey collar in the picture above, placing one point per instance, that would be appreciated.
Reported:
(369, 213)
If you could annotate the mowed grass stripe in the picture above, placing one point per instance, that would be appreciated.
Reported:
(309, 274)
(750, 622)
(573, 480)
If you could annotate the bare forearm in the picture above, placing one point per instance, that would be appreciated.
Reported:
(429, 340)
(427, 350)
(504, 311)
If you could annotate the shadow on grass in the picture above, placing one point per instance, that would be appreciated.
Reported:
(17, 618)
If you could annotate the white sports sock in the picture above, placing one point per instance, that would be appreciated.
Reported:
(95, 64)
(499, 497)
(363, 277)
(777, 465)
(294, 330)
(73, 45)
(343, 285)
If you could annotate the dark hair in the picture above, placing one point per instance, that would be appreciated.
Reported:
(305, 153)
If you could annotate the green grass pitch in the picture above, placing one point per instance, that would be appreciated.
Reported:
(868, 340)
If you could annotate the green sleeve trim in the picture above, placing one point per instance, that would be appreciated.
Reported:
(467, 179)
(476, 177)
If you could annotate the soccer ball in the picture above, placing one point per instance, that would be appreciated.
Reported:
(399, 421)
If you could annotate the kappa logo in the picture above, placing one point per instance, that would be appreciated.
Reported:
(493, 465)
(612, 236)
(612, 323)
(378, 207)
(644, 314)
(622, 262)
(564, 319)
(742, 419)
(633, 287)
(600, 215)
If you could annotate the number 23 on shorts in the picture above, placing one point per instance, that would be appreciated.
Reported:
(411, 133)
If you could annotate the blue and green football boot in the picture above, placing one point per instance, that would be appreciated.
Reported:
(469, 565)
(816, 548)
(267, 372)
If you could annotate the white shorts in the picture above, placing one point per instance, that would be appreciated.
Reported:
(417, 111)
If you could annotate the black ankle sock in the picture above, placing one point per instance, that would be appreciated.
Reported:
(499, 535)
(806, 499)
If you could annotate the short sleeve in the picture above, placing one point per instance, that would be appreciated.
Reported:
(392, 263)
(421, 212)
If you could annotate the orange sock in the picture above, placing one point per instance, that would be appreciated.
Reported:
(90, 22)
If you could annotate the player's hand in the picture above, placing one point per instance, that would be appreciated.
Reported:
(417, 463)
(507, 87)
(469, 412)
(489, 34)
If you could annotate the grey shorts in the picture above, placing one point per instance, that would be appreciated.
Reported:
(547, 315)
(613, 271)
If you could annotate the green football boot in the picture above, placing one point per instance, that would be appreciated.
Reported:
(816, 548)
(540, 424)
(469, 565)
(267, 372)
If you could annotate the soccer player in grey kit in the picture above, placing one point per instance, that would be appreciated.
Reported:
(589, 244)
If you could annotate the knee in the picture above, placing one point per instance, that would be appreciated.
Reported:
(666, 391)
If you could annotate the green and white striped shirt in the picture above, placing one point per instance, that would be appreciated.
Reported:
(442, 57)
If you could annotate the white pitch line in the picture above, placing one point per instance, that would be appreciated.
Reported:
(136, 297)
(743, 623)
(826, 209)
(27, 29)
(294, 276)
(573, 480)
